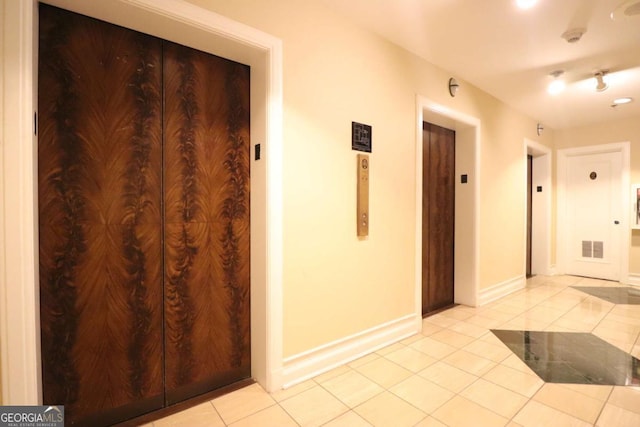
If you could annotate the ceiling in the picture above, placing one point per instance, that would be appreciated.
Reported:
(510, 53)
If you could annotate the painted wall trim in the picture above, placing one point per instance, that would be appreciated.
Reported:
(466, 289)
(501, 290)
(19, 304)
(19, 300)
(311, 363)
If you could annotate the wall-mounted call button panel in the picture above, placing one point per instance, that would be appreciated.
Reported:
(363, 195)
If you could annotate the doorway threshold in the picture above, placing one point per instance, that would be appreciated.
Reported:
(438, 310)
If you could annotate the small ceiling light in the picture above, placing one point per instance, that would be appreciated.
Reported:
(539, 129)
(601, 85)
(526, 4)
(453, 87)
(557, 85)
(621, 101)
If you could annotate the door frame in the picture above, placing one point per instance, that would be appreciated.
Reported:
(541, 213)
(562, 220)
(172, 20)
(467, 218)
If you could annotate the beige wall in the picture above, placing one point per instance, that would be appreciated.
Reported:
(604, 133)
(336, 285)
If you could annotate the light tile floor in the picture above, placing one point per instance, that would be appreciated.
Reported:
(455, 373)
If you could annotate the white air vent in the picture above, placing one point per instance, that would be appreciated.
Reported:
(598, 250)
(592, 249)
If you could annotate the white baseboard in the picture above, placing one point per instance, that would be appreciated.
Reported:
(500, 290)
(552, 271)
(311, 363)
(633, 279)
(549, 271)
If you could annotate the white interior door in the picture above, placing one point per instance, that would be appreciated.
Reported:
(593, 209)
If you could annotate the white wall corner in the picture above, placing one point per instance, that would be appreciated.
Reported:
(309, 364)
(501, 290)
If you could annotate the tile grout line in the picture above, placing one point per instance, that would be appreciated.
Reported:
(604, 406)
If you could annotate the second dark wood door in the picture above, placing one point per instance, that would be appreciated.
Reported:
(438, 203)
(529, 212)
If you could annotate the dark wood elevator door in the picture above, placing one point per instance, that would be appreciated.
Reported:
(438, 204)
(529, 213)
(143, 186)
(206, 195)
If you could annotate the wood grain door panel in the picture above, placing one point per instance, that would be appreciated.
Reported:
(99, 158)
(207, 277)
(438, 215)
(529, 214)
(143, 220)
